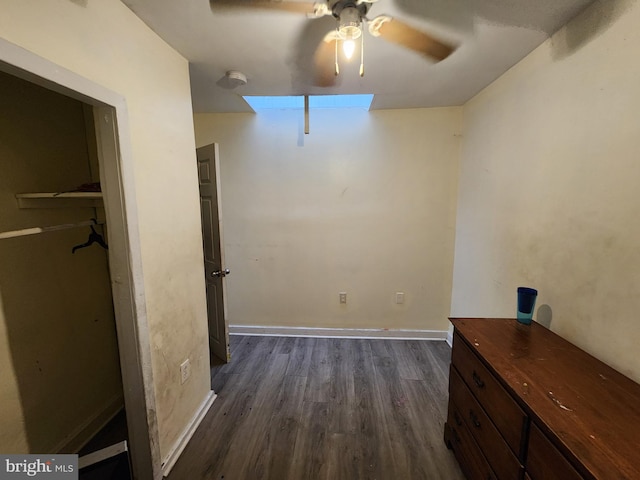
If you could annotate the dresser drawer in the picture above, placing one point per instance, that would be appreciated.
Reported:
(500, 457)
(508, 417)
(470, 458)
(545, 461)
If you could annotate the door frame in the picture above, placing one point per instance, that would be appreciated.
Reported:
(125, 263)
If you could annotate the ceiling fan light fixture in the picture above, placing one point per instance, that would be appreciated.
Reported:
(348, 47)
(349, 24)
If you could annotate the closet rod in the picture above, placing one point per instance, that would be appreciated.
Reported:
(52, 228)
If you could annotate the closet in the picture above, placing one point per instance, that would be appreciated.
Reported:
(59, 361)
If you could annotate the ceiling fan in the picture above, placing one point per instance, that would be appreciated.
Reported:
(351, 16)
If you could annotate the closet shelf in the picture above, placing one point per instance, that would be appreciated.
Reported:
(59, 200)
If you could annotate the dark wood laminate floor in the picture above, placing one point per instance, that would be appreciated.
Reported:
(312, 409)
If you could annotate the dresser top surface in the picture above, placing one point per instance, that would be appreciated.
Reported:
(591, 411)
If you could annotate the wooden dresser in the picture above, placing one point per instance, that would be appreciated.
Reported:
(526, 404)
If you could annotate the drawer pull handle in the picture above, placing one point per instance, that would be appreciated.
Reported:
(456, 437)
(477, 380)
(456, 417)
(474, 419)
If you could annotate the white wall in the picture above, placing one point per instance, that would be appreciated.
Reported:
(106, 43)
(549, 187)
(364, 204)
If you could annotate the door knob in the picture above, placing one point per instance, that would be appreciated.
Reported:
(221, 273)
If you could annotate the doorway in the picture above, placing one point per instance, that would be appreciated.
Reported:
(124, 264)
(57, 309)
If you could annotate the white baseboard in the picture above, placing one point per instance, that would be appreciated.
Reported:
(372, 333)
(188, 432)
(87, 429)
(102, 454)
(450, 336)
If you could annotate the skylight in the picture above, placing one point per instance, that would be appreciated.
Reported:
(259, 103)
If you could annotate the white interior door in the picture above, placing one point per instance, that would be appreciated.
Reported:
(214, 267)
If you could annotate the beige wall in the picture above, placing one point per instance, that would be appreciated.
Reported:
(364, 204)
(58, 332)
(106, 43)
(549, 187)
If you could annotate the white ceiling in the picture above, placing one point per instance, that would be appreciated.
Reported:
(273, 49)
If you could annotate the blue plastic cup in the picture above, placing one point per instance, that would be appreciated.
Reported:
(526, 303)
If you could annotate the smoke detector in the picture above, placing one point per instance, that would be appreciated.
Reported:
(235, 79)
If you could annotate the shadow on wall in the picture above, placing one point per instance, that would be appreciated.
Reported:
(588, 26)
(545, 315)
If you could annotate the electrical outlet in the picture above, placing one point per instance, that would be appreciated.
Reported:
(185, 371)
(399, 297)
(343, 297)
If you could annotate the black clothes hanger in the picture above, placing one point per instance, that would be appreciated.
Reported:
(94, 237)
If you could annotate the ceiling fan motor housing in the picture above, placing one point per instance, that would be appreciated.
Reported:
(353, 9)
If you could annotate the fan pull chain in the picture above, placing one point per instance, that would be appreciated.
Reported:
(337, 71)
(362, 54)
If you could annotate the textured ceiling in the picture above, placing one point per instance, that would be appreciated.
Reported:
(274, 49)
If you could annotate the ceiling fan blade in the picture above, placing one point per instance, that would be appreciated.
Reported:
(324, 62)
(281, 5)
(405, 35)
(312, 60)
